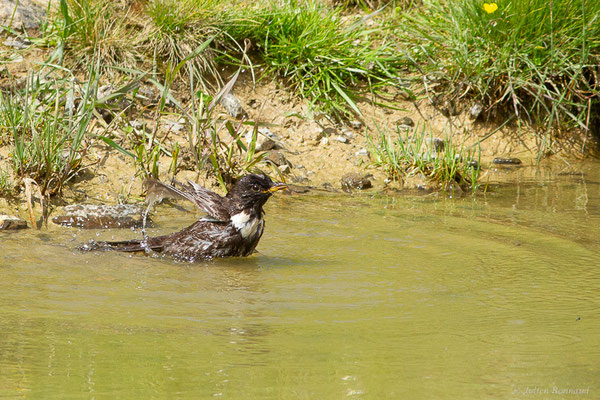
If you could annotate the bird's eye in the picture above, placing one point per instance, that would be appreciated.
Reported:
(255, 187)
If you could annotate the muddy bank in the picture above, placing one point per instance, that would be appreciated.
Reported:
(304, 147)
(310, 150)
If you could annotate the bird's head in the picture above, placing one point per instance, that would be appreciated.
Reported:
(253, 191)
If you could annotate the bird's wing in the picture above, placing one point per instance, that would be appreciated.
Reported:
(208, 201)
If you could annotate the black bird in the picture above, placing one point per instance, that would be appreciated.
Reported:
(232, 228)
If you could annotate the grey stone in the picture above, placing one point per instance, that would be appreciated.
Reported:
(17, 42)
(174, 126)
(147, 94)
(27, 15)
(473, 164)
(11, 223)
(475, 110)
(437, 143)
(89, 216)
(265, 139)
(348, 133)
(405, 123)
(233, 106)
(362, 152)
(356, 124)
(341, 139)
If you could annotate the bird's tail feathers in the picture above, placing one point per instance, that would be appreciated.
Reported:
(125, 245)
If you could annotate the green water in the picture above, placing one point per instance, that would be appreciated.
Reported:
(350, 297)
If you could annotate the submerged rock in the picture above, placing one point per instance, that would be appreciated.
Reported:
(507, 161)
(297, 189)
(11, 223)
(355, 180)
(90, 216)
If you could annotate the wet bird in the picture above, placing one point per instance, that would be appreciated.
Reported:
(233, 226)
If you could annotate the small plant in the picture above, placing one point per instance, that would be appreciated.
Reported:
(7, 185)
(439, 161)
(47, 129)
(221, 142)
(213, 143)
(178, 29)
(231, 158)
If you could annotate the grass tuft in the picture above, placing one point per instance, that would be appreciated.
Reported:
(439, 161)
(86, 29)
(537, 59)
(45, 127)
(326, 58)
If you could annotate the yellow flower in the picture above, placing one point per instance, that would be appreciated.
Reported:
(490, 7)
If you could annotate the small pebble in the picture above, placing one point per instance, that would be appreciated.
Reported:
(475, 110)
(233, 106)
(264, 141)
(437, 143)
(17, 43)
(405, 123)
(356, 124)
(348, 133)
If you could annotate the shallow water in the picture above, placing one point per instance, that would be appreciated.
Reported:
(350, 296)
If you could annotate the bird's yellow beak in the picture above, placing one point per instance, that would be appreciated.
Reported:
(276, 187)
